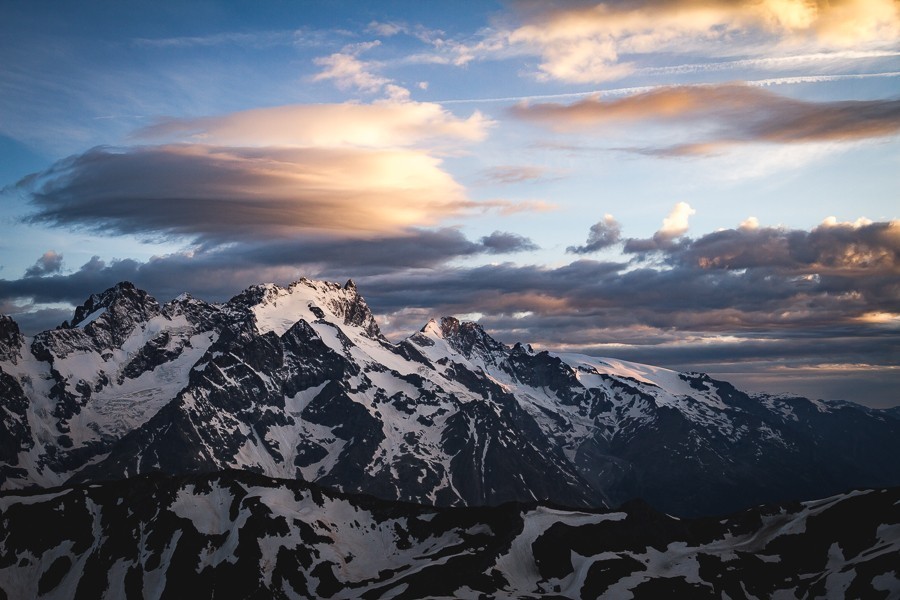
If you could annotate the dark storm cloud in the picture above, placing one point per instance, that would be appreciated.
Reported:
(829, 295)
(749, 296)
(831, 278)
(732, 113)
(216, 273)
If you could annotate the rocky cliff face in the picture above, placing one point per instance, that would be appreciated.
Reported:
(298, 382)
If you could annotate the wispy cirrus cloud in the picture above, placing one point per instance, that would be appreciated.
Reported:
(629, 91)
(256, 39)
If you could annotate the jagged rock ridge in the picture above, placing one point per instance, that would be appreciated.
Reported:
(298, 382)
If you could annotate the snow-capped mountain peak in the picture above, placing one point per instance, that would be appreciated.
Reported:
(277, 308)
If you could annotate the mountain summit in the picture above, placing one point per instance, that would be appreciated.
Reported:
(298, 382)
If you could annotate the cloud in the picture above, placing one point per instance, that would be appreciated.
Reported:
(603, 234)
(388, 29)
(50, 262)
(328, 169)
(725, 115)
(508, 207)
(504, 174)
(385, 124)
(256, 39)
(221, 194)
(676, 223)
(823, 296)
(349, 72)
(832, 249)
(434, 37)
(674, 226)
(584, 42)
(501, 242)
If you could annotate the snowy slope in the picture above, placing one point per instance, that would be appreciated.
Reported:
(88, 385)
(239, 535)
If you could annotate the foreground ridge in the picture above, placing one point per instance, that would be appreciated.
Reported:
(298, 382)
(235, 534)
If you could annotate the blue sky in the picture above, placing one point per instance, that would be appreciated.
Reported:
(701, 185)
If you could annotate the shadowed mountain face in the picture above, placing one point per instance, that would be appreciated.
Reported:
(299, 383)
(236, 534)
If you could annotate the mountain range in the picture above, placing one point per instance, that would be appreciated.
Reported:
(298, 384)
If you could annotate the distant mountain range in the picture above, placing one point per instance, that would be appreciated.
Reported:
(298, 383)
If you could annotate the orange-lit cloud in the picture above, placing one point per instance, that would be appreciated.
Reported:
(881, 318)
(676, 223)
(384, 124)
(730, 114)
(585, 42)
(347, 169)
(674, 226)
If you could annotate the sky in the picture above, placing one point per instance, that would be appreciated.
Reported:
(702, 185)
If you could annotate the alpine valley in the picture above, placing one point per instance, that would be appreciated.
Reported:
(278, 445)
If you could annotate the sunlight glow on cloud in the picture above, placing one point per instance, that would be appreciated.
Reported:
(222, 193)
(320, 169)
(881, 318)
(585, 43)
(676, 223)
(384, 124)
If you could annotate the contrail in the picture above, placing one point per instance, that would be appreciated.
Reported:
(772, 62)
(819, 78)
(625, 91)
